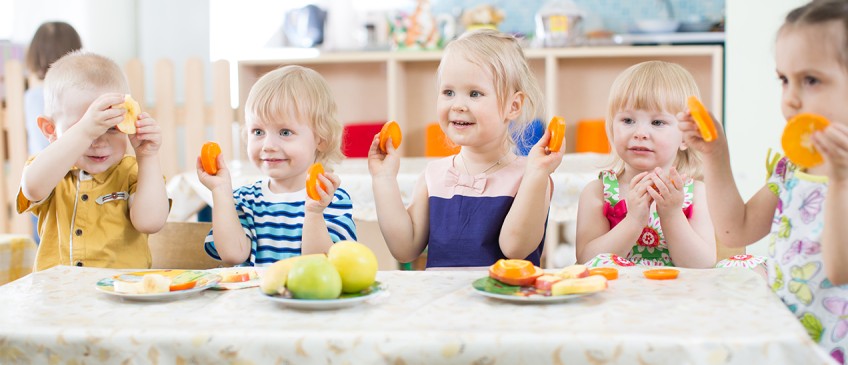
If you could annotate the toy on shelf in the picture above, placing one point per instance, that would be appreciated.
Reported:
(482, 16)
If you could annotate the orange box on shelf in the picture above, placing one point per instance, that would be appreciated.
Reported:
(437, 143)
(592, 136)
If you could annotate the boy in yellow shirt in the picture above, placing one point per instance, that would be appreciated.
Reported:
(95, 206)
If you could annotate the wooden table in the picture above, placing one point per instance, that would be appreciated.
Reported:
(716, 316)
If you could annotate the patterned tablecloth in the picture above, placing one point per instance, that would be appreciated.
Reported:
(717, 316)
(576, 170)
(17, 255)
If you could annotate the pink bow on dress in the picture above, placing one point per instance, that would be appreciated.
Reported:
(476, 182)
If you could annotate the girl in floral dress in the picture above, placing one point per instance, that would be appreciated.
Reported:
(801, 210)
(648, 209)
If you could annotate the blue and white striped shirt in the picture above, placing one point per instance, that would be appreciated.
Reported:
(274, 222)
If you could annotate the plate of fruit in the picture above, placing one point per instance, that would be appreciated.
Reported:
(345, 277)
(156, 285)
(520, 281)
(236, 278)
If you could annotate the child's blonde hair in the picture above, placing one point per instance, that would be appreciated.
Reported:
(78, 71)
(819, 12)
(298, 91)
(502, 55)
(656, 86)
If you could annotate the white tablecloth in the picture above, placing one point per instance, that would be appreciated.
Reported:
(576, 170)
(717, 316)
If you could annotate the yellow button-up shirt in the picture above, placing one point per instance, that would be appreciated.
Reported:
(85, 221)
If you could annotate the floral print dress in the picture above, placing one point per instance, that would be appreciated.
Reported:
(650, 249)
(796, 270)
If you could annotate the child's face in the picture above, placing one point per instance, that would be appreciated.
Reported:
(105, 151)
(812, 77)
(283, 150)
(468, 109)
(646, 139)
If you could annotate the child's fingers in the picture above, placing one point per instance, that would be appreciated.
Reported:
(222, 162)
(637, 179)
(674, 178)
(334, 179)
(374, 150)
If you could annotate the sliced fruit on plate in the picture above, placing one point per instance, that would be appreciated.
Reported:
(515, 272)
(557, 128)
(238, 275)
(312, 182)
(610, 273)
(573, 272)
(702, 118)
(390, 130)
(545, 282)
(797, 142)
(661, 274)
(589, 284)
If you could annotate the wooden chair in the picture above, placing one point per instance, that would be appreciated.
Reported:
(179, 245)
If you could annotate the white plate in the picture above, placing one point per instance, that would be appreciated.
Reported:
(105, 286)
(531, 299)
(325, 304)
(239, 285)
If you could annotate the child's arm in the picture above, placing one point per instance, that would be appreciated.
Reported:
(406, 230)
(316, 236)
(691, 242)
(833, 144)
(737, 223)
(149, 203)
(524, 225)
(232, 244)
(594, 235)
(53, 163)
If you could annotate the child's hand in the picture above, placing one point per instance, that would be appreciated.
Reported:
(692, 136)
(669, 190)
(541, 159)
(832, 142)
(221, 180)
(101, 116)
(638, 200)
(332, 182)
(383, 164)
(148, 136)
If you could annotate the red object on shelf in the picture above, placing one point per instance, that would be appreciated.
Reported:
(357, 137)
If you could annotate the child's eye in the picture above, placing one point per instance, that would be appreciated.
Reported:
(809, 80)
(113, 129)
(657, 122)
(286, 132)
(447, 93)
(476, 94)
(627, 120)
(257, 132)
(783, 80)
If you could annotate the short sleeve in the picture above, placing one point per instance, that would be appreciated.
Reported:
(339, 217)
(778, 168)
(244, 211)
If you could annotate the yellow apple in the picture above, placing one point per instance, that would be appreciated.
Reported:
(356, 264)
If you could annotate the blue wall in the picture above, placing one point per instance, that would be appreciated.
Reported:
(614, 15)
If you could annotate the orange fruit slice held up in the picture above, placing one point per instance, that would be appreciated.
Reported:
(209, 157)
(133, 109)
(317, 169)
(661, 274)
(557, 128)
(702, 119)
(796, 140)
(390, 129)
(610, 273)
(515, 272)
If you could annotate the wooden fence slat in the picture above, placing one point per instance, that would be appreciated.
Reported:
(134, 70)
(222, 113)
(17, 145)
(194, 121)
(166, 115)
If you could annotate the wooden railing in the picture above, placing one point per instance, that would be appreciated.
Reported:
(195, 119)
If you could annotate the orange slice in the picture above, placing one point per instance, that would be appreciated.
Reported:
(209, 157)
(796, 140)
(317, 169)
(131, 116)
(515, 272)
(557, 128)
(390, 129)
(661, 274)
(702, 119)
(610, 273)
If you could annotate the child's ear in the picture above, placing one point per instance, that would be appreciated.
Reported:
(683, 146)
(47, 127)
(516, 102)
(321, 144)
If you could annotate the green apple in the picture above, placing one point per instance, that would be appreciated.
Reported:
(273, 280)
(314, 277)
(356, 264)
